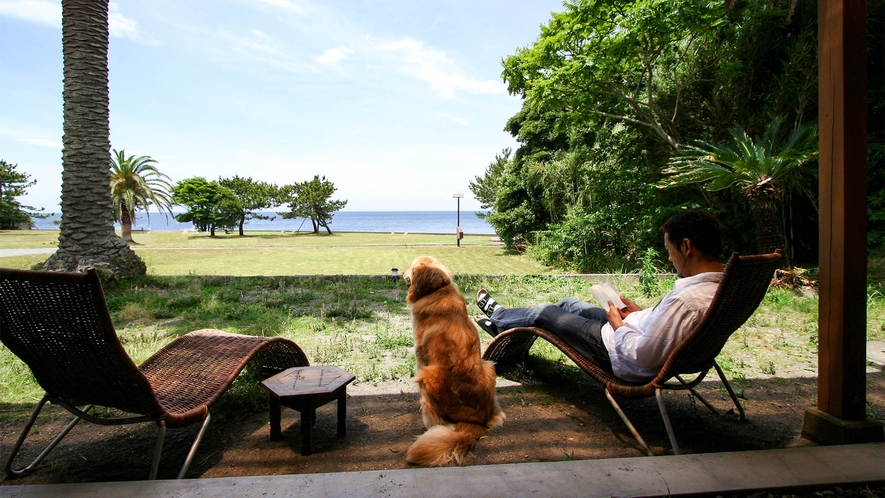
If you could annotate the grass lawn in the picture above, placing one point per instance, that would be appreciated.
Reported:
(276, 253)
(332, 295)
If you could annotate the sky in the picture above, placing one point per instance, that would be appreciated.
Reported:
(399, 103)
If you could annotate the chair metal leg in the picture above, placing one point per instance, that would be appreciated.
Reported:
(659, 394)
(698, 396)
(158, 449)
(24, 434)
(611, 399)
(728, 388)
(190, 454)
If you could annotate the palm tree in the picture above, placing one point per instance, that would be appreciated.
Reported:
(136, 184)
(759, 168)
(87, 237)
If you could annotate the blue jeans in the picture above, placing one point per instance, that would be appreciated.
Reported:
(576, 322)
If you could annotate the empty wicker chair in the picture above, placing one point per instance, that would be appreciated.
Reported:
(59, 325)
(742, 288)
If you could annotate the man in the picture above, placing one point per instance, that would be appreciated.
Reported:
(633, 343)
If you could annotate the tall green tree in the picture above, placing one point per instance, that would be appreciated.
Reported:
(136, 183)
(87, 236)
(15, 184)
(619, 60)
(611, 89)
(210, 206)
(254, 196)
(763, 170)
(311, 199)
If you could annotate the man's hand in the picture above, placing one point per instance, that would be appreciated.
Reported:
(616, 316)
(630, 308)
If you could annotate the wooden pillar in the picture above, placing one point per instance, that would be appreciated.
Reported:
(840, 416)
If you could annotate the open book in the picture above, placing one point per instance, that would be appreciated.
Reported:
(603, 293)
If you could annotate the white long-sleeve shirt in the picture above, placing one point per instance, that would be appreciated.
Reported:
(639, 348)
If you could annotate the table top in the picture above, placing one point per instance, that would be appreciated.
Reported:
(301, 381)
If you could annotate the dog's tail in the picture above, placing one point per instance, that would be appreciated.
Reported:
(443, 443)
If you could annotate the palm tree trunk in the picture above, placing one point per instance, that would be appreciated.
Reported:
(769, 235)
(126, 222)
(87, 237)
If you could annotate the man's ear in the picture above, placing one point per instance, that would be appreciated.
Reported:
(686, 247)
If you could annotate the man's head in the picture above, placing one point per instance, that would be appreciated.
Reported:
(693, 240)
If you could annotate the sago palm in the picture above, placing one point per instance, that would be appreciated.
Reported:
(761, 169)
(136, 183)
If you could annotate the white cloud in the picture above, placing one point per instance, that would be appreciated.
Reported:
(121, 26)
(255, 41)
(40, 11)
(22, 133)
(332, 56)
(285, 4)
(434, 67)
(49, 13)
(460, 121)
(41, 142)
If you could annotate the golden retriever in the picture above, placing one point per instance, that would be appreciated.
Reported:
(457, 387)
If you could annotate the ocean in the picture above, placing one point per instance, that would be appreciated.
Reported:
(444, 222)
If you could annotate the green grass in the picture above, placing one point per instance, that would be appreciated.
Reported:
(332, 296)
(272, 253)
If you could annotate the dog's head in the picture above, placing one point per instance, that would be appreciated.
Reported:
(425, 276)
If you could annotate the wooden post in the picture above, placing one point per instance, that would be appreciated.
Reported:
(840, 416)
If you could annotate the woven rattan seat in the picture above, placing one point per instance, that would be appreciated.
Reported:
(59, 325)
(742, 288)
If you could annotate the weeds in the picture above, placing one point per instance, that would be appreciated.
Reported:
(648, 276)
(363, 325)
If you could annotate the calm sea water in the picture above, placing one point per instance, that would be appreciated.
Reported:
(342, 221)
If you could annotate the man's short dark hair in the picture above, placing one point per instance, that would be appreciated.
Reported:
(698, 226)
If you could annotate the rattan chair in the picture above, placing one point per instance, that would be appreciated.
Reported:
(742, 288)
(59, 325)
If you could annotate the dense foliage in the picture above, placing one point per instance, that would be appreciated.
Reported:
(210, 205)
(311, 200)
(254, 196)
(231, 202)
(14, 214)
(612, 90)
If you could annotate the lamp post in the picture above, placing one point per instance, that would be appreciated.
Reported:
(458, 233)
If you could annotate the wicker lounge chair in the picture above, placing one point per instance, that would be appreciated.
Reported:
(59, 325)
(742, 288)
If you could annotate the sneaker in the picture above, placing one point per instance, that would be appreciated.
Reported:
(487, 325)
(486, 302)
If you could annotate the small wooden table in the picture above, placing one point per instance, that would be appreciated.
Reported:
(305, 389)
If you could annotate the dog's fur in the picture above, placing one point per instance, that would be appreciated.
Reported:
(457, 387)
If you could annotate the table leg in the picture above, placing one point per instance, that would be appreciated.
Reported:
(342, 414)
(275, 433)
(307, 416)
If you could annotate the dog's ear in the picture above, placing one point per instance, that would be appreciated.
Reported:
(426, 279)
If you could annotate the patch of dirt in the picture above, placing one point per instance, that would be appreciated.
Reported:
(546, 421)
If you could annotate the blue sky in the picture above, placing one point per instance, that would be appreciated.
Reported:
(399, 103)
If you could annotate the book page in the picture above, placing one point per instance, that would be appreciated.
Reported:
(603, 293)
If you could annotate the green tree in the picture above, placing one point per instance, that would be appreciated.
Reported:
(620, 60)
(311, 199)
(611, 89)
(254, 196)
(13, 184)
(762, 169)
(209, 205)
(86, 234)
(136, 183)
